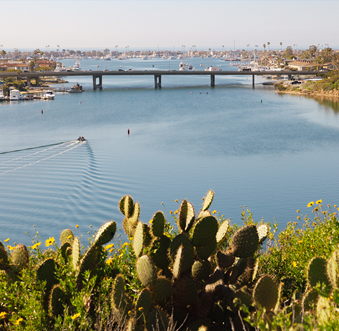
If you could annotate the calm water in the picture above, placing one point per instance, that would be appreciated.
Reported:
(273, 156)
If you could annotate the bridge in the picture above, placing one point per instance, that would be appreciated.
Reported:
(97, 75)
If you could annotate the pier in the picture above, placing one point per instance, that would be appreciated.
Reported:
(98, 75)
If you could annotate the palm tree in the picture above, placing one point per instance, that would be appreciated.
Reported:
(281, 45)
(268, 45)
(3, 53)
(264, 47)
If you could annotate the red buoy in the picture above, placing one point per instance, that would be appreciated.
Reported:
(42, 111)
(128, 131)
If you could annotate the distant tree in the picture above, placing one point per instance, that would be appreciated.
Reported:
(5, 89)
(78, 53)
(94, 53)
(3, 53)
(71, 52)
(264, 45)
(325, 56)
(106, 51)
(37, 52)
(268, 45)
(281, 45)
(288, 52)
(31, 65)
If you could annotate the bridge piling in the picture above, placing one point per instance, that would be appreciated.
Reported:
(95, 85)
(253, 81)
(212, 80)
(157, 81)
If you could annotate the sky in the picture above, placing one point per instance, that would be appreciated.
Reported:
(167, 25)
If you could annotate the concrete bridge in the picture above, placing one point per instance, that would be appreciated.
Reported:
(97, 75)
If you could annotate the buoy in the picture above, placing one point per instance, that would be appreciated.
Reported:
(200, 92)
(206, 92)
(80, 101)
(261, 101)
(191, 92)
(128, 131)
(42, 111)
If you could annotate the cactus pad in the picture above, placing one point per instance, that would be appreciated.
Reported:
(46, 272)
(66, 236)
(128, 227)
(162, 289)
(203, 214)
(56, 300)
(316, 272)
(105, 233)
(64, 250)
(324, 312)
(186, 216)
(245, 241)
(19, 258)
(133, 219)
(205, 252)
(185, 292)
(118, 292)
(143, 304)
(88, 262)
(201, 270)
(158, 224)
(221, 234)
(160, 255)
(333, 269)
(263, 230)
(181, 239)
(205, 231)
(138, 242)
(183, 260)
(126, 206)
(265, 293)
(309, 301)
(224, 260)
(3, 259)
(146, 271)
(75, 253)
(208, 200)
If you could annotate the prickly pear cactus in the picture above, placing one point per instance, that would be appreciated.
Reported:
(56, 301)
(222, 231)
(208, 200)
(201, 270)
(333, 269)
(309, 301)
(263, 230)
(183, 260)
(186, 216)
(224, 260)
(157, 320)
(65, 251)
(75, 253)
(146, 271)
(185, 291)
(66, 236)
(265, 293)
(204, 252)
(88, 262)
(105, 233)
(46, 272)
(158, 224)
(126, 205)
(19, 258)
(143, 304)
(118, 292)
(245, 241)
(317, 273)
(162, 289)
(205, 231)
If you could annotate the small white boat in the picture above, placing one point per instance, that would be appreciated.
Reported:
(213, 69)
(49, 95)
(76, 89)
(76, 66)
(14, 95)
(1, 95)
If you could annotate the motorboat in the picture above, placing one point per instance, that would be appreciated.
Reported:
(213, 69)
(1, 95)
(81, 138)
(14, 95)
(49, 95)
(76, 89)
(76, 66)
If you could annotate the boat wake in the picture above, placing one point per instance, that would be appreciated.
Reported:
(64, 146)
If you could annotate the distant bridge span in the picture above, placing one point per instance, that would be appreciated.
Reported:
(97, 75)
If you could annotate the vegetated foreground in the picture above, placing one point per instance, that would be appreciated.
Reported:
(203, 275)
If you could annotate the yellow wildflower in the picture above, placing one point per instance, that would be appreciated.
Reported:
(109, 261)
(10, 247)
(316, 209)
(124, 244)
(314, 223)
(294, 264)
(151, 221)
(69, 237)
(75, 316)
(176, 200)
(298, 211)
(18, 321)
(49, 241)
(310, 204)
(298, 217)
(6, 240)
(109, 246)
(176, 212)
(77, 227)
(334, 213)
(129, 312)
(171, 212)
(319, 202)
(2, 315)
(140, 308)
(111, 250)
(214, 211)
(300, 241)
(36, 245)
(121, 255)
(335, 206)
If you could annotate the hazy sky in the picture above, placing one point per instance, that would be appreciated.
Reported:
(169, 24)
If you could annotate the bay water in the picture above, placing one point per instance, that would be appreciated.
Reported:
(273, 153)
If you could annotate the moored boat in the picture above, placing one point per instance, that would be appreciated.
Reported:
(76, 89)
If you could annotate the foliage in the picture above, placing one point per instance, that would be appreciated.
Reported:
(203, 273)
